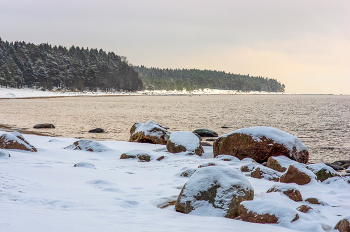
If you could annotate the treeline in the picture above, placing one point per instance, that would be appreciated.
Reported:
(190, 79)
(46, 67)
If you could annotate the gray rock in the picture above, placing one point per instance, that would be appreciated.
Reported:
(205, 133)
(44, 125)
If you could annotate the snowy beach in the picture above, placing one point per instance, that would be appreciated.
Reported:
(58, 189)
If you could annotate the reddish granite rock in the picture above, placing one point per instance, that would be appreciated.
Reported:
(290, 191)
(298, 175)
(304, 208)
(261, 211)
(260, 143)
(279, 163)
(343, 225)
(262, 172)
(181, 141)
(15, 140)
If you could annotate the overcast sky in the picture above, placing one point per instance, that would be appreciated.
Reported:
(303, 44)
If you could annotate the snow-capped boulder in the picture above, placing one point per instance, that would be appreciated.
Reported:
(260, 143)
(15, 140)
(181, 141)
(297, 174)
(287, 190)
(215, 191)
(205, 133)
(248, 167)
(227, 158)
(262, 172)
(315, 201)
(149, 132)
(84, 165)
(322, 171)
(188, 172)
(260, 211)
(142, 156)
(343, 225)
(88, 145)
(279, 163)
(4, 154)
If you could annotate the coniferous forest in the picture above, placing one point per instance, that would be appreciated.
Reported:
(50, 67)
(190, 79)
(46, 67)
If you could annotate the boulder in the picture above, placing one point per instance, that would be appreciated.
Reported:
(343, 163)
(205, 133)
(4, 154)
(322, 171)
(335, 167)
(43, 126)
(15, 140)
(261, 172)
(142, 156)
(297, 174)
(304, 208)
(247, 167)
(343, 225)
(279, 163)
(287, 190)
(88, 145)
(215, 189)
(260, 211)
(184, 141)
(260, 143)
(97, 130)
(149, 132)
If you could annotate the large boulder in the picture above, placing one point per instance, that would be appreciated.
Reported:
(297, 174)
(343, 225)
(15, 140)
(205, 133)
(88, 145)
(182, 141)
(260, 143)
(322, 171)
(279, 163)
(287, 190)
(260, 211)
(149, 132)
(215, 190)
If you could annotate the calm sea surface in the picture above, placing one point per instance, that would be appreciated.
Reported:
(322, 122)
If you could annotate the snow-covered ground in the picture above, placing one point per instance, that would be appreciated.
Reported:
(43, 191)
(28, 92)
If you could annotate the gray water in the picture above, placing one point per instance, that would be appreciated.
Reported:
(321, 122)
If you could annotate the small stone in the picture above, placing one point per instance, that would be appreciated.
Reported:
(343, 225)
(261, 172)
(287, 190)
(97, 130)
(304, 208)
(205, 133)
(160, 158)
(314, 201)
(44, 125)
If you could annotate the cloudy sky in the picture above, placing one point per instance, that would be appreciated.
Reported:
(303, 44)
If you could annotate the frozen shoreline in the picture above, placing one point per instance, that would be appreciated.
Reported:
(33, 93)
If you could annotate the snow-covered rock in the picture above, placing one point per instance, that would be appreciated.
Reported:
(322, 171)
(287, 190)
(343, 225)
(298, 174)
(15, 140)
(4, 154)
(142, 156)
(261, 211)
(181, 141)
(261, 172)
(279, 163)
(88, 145)
(215, 191)
(260, 143)
(84, 165)
(149, 132)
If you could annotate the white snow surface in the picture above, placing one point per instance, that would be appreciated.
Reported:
(280, 137)
(43, 191)
(88, 145)
(185, 138)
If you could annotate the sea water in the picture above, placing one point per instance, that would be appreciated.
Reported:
(322, 122)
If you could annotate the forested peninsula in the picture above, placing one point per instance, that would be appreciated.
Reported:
(50, 67)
